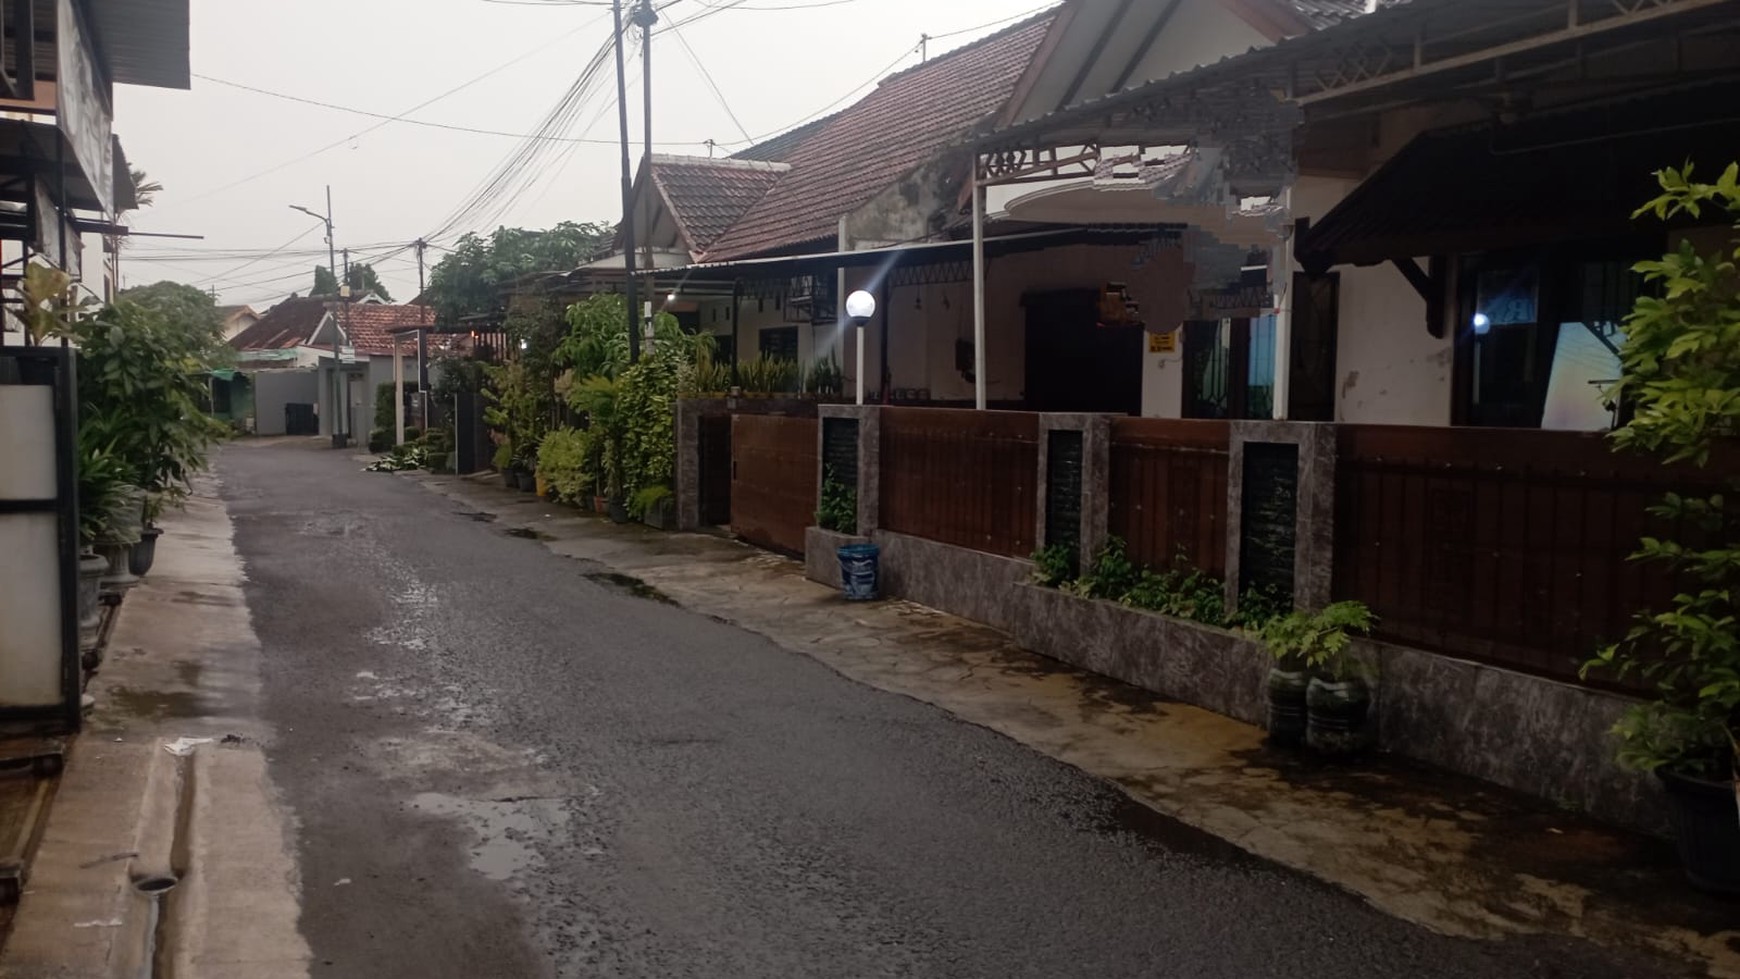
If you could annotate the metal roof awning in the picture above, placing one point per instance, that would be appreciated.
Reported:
(144, 41)
(895, 255)
(1559, 177)
(1441, 48)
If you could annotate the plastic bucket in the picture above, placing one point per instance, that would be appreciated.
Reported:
(858, 568)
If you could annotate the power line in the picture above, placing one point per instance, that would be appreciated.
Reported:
(421, 105)
(419, 122)
(707, 76)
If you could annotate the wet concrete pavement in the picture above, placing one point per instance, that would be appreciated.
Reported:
(502, 763)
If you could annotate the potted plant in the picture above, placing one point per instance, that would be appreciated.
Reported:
(654, 506)
(1337, 698)
(1680, 382)
(144, 553)
(104, 516)
(503, 461)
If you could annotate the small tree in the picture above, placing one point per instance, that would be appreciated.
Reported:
(325, 283)
(1681, 380)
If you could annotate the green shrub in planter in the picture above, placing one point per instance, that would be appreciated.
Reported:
(380, 440)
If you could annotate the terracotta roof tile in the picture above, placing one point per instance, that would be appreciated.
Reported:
(707, 196)
(371, 326)
(905, 122)
(286, 325)
(292, 322)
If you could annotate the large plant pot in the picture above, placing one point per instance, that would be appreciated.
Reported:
(1335, 715)
(118, 575)
(508, 480)
(1707, 830)
(526, 481)
(144, 553)
(618, 513)
(860, 569)
(1287, 711)
(91, 568)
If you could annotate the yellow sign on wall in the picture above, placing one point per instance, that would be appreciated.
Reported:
(1163, 343)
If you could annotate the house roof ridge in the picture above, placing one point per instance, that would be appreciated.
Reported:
(677, 159)
(967, 48)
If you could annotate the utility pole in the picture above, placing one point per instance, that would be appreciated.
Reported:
(332, 269)
(422, 344)
(630, 285)
(646, 17)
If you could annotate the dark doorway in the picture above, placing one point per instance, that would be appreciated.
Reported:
(1311, 379)
(714, 445)
(1073, 364)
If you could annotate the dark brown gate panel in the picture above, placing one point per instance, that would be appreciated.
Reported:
(715, 469)
(773, 480)
(962, 477)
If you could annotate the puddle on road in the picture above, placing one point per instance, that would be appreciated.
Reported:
(477, 515)
(634, 586)
(508, 831)
(528, 533)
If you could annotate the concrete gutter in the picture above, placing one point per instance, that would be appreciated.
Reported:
(1452, 854)
(130, 815)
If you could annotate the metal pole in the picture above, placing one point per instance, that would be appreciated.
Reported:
(331, 257)
(646, 18)
(978, 292)
(422, 346)
(1281, 265)
(630, 285)
(398, 392)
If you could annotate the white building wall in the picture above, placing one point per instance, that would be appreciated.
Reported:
(1389, 369)
(273, 389)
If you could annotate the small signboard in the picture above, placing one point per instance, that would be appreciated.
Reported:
(1163, 343)
(1244, 302)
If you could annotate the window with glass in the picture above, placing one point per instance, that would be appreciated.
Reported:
(1541, 339)
(1229, 368)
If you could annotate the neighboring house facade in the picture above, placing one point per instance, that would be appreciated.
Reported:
(307, 354)
(878, 197)
(236, 319)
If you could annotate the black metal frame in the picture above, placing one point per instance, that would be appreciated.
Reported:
(55, 366)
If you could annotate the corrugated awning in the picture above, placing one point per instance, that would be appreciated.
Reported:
(1559, 177)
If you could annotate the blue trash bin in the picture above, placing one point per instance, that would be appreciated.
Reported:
(858, 568)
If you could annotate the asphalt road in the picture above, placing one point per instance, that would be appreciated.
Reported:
(501, 767)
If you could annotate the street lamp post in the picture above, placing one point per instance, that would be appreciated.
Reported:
(860, 307)
(332, 269)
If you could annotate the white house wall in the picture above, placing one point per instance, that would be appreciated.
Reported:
(1388, 369)
(276, 388)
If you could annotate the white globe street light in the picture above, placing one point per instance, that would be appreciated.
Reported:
(860, 306)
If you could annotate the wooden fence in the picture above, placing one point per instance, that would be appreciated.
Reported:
(1504, 545)
(961, 477)
(1168, 491)
(773, 480)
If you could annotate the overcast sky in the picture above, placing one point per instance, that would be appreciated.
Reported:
(232, 161)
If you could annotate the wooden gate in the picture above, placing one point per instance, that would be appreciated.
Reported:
(714, 444)
(773, 480)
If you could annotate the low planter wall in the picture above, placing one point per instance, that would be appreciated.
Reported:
(1184, 661)
(821, 562)
(1531, 734)
(971, 584)
(1528, 733)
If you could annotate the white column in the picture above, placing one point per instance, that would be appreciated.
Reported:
(1282, 266)
(398, 392)
(978, 290)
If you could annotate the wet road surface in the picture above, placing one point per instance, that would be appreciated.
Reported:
(503, 764)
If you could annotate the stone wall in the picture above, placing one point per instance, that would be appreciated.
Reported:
(971, 584)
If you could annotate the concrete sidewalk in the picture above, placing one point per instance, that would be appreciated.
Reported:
(1454, 855)
(131, 816)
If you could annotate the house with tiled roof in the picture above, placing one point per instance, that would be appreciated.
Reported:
(305, 351)
(878, 196)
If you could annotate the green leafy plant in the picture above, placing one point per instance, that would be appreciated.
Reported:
(646, 500)
(1183, 592)
(1680, 381)
(504, 455)
(141, 388)
(562, 463)
(770, 375)
(1112, 575)
(837, 507)
(1257, 607)
(1054, 565)
(826, 378)
(1319, 641)
(108, 502)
